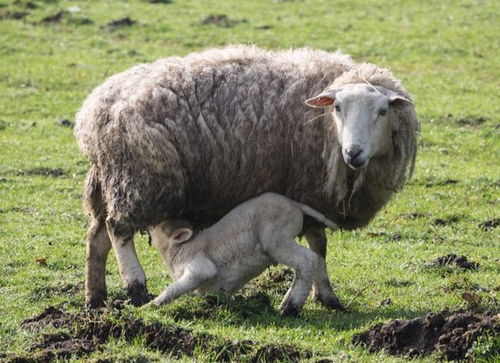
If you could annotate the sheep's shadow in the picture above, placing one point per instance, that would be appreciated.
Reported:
(258, 309)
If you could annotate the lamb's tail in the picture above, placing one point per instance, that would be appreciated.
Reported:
(92, 195)
(318, 216)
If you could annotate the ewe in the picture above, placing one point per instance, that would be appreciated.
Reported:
(191, 138)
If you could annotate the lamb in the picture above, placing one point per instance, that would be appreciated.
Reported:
(190, 138)
(253, 236)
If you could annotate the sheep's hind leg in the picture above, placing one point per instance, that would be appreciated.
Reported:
(322, 288)
(131, 272)
(304, 262)
(98, 246)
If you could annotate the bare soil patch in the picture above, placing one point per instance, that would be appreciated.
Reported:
(15, 15)
(490, 224)
(120, 23)
(222, 21)
(83, 333)
(450, 333)
(43, 171)
(454, 260)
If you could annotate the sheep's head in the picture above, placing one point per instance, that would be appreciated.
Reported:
(362, 119)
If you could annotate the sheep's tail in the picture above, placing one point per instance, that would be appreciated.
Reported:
(93, 202)
(318, 216)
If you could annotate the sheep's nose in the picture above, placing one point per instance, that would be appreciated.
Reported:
(353, 151)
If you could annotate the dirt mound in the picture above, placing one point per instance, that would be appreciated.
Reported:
(83, 333)
(490, 224)
(450, 333)
(60, 346)
(454, 260)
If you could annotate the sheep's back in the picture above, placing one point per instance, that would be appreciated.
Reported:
(201, 134)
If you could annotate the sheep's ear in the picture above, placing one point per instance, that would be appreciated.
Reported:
(181, 235)
(399, 101)
(324, 99)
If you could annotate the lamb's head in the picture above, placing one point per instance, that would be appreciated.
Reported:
(362, 119)
(169, 233)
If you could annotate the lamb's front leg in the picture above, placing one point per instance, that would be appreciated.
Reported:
(196, 273)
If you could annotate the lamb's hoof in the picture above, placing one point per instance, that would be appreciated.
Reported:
(289, 310)
(138, 294)
(330, 302)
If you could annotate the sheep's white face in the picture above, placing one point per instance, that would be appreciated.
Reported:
(360, 113)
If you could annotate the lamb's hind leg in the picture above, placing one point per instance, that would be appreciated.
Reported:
(98, 246)
(131, 272)
(322, 289)
(304, 262)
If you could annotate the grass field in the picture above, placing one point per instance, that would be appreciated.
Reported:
(445, 52)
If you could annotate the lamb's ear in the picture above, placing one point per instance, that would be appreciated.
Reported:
(398, 100)
(181, 235)
(324, 99)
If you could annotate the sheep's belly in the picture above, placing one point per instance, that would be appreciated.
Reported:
(234, 276)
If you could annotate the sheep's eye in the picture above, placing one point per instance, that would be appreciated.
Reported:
(383, 112)
(337, 108)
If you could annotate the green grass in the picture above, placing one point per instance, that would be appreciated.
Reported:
(446, 54)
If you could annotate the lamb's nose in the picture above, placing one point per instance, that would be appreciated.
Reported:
(353, 151)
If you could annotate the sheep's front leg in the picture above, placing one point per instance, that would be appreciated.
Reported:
(304, 262)
(195, 274)
(131, 272)
(98, 246)
(322, 289)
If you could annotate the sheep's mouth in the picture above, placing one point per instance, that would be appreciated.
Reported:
(357, 164)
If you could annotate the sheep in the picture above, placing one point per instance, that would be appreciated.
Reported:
(190, 138)
(253, 236)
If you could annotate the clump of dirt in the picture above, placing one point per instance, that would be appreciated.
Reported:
(66, 123)
(448, 221)
(15, 15)
(435, 183)
(120, 23)
(471, 121)
(452, 334)
(60, 346)
(85, 332)
(490, 224)
(454, 260)
(50, 316)
(44, 171)
(222, 20)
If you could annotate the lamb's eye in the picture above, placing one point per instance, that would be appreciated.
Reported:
(337, 108)
(383, 112)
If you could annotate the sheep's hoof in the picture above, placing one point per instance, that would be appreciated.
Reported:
(95, 302)
(289, 310)
(138, 294)
(330, 302)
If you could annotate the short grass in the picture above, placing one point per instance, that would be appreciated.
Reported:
(445, 52)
